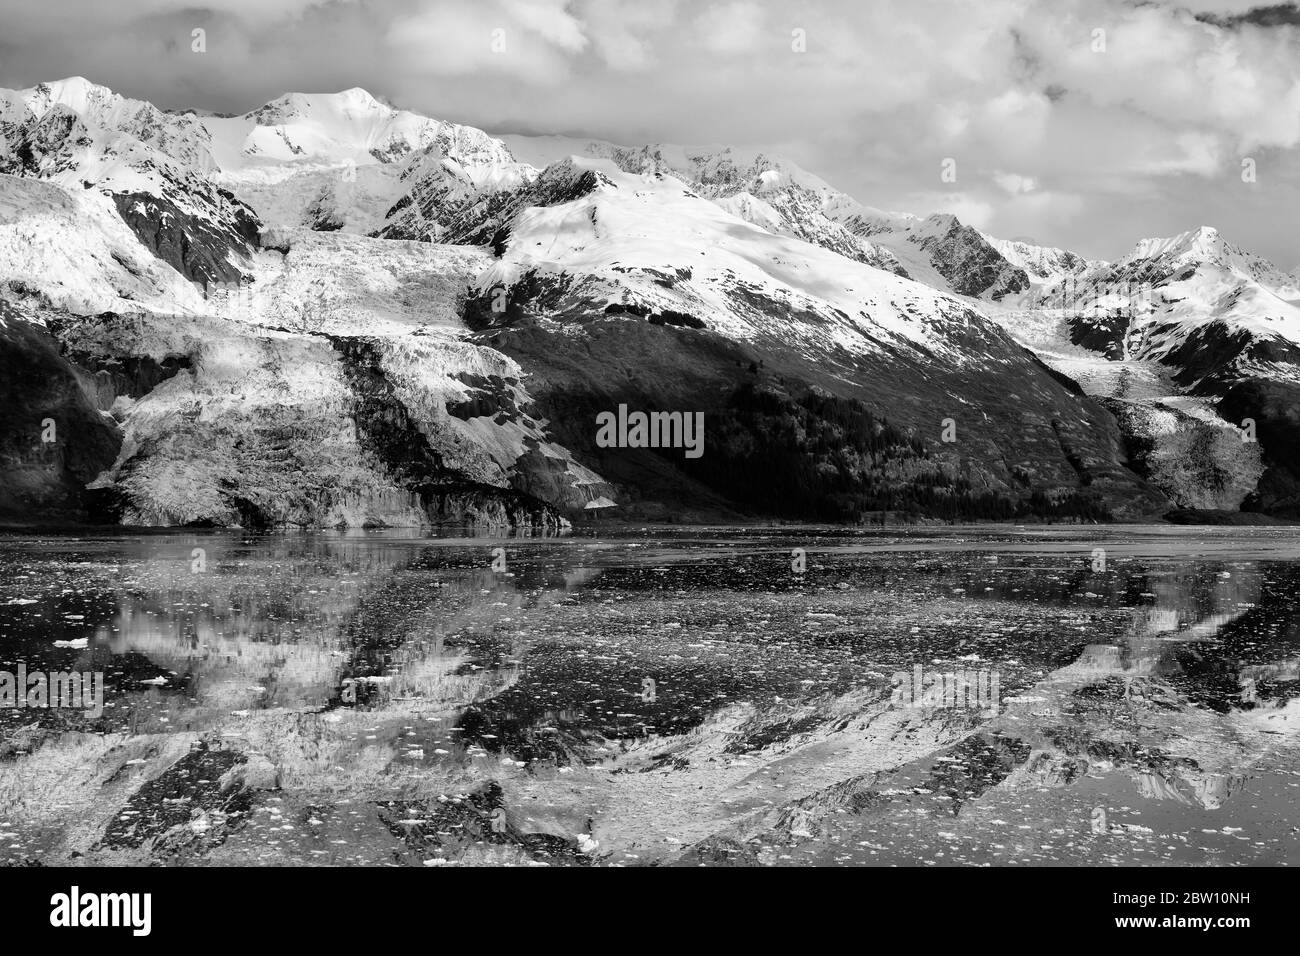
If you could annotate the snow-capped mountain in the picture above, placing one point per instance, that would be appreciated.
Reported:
(351, 126)
(343, 160)
(1204, 246)
(78, 135)
(629, 239)
(941, 251)
(448, 201)
(266, 376)
(1042, 264)
(327, 369)
(73, 250)
(780, 197)
(1191, 338)
(1209, 309)
(322, 160)
(108, 118)
(769, 192)
(672, 301)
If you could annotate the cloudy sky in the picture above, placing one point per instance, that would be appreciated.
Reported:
(1081, 123)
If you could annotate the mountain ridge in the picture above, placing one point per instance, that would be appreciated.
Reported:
(787, 301)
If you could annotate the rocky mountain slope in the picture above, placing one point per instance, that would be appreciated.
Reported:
(1175, 434)
(251, 373)
(244, 309)
(1197, 338)
(80, 136)
(1040, 263)
(780, 197)
(641, 292)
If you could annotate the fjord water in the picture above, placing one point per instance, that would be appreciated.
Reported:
(658, 696)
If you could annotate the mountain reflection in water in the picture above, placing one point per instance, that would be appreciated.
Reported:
(658, 696)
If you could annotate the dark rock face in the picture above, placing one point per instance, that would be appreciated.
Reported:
(1101, 333)
(442, 208)
(1235, 367)
(957, 252)
(202, 250)
(1275, 408)
(679, 319)
(105, 377)
(354, 454)
(966, 260)
(464, 502)
(1216, 356)
(44, 147)
(383, 423)
(446, 494)
(44, 482)
(790, 436)
(198, 228)
(1247, 372)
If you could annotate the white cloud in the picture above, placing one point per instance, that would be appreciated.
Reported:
(969, 208)
(622, 30)
(534, 39)
(549, 19)
(732, 27)
(72, 12)
(1151, 131)
(1015, 184)
(1037, 213)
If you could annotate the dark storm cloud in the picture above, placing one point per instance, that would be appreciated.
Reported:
(1278, 15)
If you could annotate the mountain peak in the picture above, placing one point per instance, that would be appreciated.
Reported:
(71, 83)
(943, 220)
(1041, 263)
(1205, 248)
(1206, 238)
(349, 104)
(358, 95)
(75, 92)
(1202, 244)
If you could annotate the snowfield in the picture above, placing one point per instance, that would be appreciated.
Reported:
(342, 284)
(652, 235)
(73, 251)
